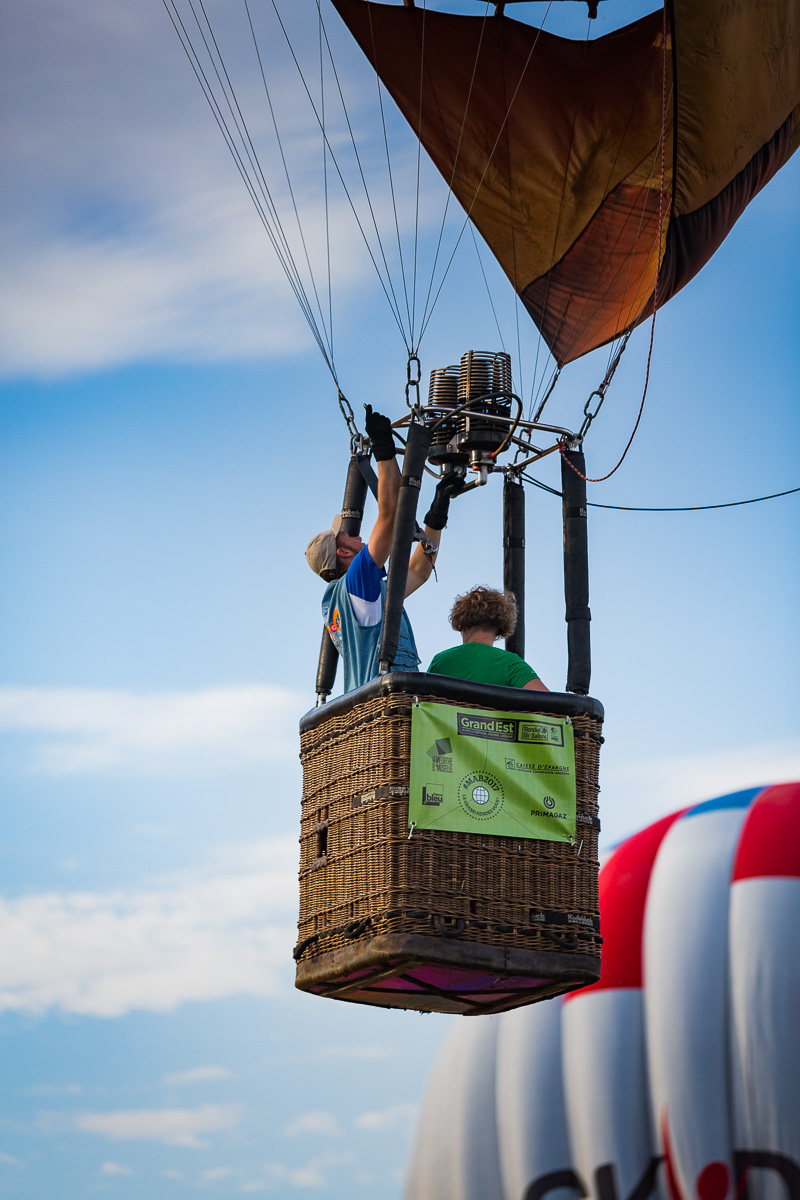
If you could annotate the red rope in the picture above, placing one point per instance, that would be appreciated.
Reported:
(602, 478)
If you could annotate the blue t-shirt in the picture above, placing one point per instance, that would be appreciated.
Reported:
(352, 609)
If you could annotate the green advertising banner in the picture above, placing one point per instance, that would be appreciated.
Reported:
(499, 773)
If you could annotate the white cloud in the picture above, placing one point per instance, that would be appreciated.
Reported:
(356, 1052)
(197, 1075)
(115, 1168)
(215, 1173)
(129, 235)
(70, 731)
(172, 1126)
(311, 1175)
(10, 1160)
(652, 788)
(196, 937)
(388, 1118)
(54, 1089)
(190, 286)
(318, 1121)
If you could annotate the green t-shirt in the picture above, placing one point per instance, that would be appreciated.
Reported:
(483, 664)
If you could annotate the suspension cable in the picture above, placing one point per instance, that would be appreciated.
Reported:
(285, 166)
(325, 187)
(503, 124)
(379, 89)
(675, 508)
(424, 322)
(257, 188)
(488, 289)
(602, 478)
(393, 303)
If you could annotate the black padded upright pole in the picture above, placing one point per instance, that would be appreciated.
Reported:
(576, 573)
(355, 490)
(514, 557)
(419, 439)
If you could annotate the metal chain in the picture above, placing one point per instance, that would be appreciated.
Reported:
(600, 391)
(588, 415)
(346, 410)
(412, 381)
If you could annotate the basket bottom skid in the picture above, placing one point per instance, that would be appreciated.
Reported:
(412, 971)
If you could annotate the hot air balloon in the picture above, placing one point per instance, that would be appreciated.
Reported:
(602, 175)
(678, 1072)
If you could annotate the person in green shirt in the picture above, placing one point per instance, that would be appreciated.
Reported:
(482, 616)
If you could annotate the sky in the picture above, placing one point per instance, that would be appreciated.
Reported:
(170, 440)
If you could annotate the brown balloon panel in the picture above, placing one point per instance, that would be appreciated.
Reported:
(439, 921)
(575, 159)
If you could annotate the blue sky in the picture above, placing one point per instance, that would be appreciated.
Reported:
(170, 441)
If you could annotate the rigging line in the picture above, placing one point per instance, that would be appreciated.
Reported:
(660, 232)
(609, 281)
(678, 508)
(393, 304)
(414, 343)
(655, 288)
(485, 169)
(626, 322)
(240, 125)
(184, 37)
(699, 507)
(211, 100)
(285, 171)
(537, 388)
(258, 181)
(488, 289)
(511, 221)
(623, 323)
(395, 314)
(455, 157)
(549, 392)
(609, 178)
(325, 189)
(555, 243)
(558, 224)
(391, 176)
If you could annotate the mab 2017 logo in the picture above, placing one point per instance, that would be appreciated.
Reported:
(481, 795)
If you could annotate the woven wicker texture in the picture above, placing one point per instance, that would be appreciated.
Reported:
(361, 875)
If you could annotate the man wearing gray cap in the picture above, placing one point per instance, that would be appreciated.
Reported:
(352, 607)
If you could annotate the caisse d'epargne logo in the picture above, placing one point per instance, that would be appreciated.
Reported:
(480, 794)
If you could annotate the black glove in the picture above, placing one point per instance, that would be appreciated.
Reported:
(379, 432)
(446, 488)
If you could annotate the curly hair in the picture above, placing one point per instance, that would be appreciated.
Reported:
(486, 608)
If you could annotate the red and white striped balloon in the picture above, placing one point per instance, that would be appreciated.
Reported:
(677, 1075)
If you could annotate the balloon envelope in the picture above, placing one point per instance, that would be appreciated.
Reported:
(602, 174)
(678, 1073)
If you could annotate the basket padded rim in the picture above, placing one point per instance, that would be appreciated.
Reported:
(442, 687)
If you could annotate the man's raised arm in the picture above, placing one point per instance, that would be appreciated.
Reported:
(421, 564)
(379, 432)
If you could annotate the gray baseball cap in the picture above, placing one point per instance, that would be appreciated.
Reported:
(321, 550)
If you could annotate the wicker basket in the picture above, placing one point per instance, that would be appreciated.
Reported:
(440, 921)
